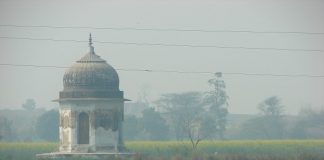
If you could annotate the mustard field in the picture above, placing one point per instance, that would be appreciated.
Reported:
(182, 150)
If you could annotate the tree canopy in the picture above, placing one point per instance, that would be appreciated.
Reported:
(47, 126)
(29, 104)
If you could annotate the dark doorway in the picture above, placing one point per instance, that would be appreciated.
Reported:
(83, 128)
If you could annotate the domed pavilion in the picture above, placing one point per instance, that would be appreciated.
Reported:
(91, 107)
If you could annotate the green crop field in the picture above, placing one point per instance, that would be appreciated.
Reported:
(181, 150)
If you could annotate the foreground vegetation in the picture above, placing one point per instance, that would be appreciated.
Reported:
(209, 150)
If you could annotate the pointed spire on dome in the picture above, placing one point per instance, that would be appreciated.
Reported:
(90, 45)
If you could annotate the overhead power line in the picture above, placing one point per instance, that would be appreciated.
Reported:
(31, 65)
(162, 29)
(166, 44)
(177, 71)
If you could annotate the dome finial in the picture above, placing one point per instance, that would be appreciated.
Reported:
(90, 44)
(90, 40)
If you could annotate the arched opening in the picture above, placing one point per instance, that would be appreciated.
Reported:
(83, 128)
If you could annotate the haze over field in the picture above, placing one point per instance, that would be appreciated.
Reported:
(245, 92)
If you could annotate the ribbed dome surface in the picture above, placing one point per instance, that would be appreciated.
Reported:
(91, 77)
(91, 73)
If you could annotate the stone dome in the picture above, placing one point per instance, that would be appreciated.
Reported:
(91, 73)
(91, 77)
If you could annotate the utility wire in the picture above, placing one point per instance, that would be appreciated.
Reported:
(161, 29)
(166, 44)
(31, 65)
(176, 71)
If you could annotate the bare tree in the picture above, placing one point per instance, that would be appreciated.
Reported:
(186, 114)
(199, 130)
(182, 109)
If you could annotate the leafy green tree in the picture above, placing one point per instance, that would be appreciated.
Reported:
(271, 107)
(255, 128)
(274, 122)
(47, 126)
(131, 127)
(270, 124)
(6, 132)
(29, 104)
(217, 102)
(309, 124)
(154, 124)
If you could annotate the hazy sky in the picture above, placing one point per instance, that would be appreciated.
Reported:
(245, 92)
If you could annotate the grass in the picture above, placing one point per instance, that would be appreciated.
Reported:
(24, 151)
(287, 149)
(181, 150)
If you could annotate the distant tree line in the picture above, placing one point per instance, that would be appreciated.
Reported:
(185, 121)
(153, 124)
(192, 116)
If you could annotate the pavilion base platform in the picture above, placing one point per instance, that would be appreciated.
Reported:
(84, 156)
